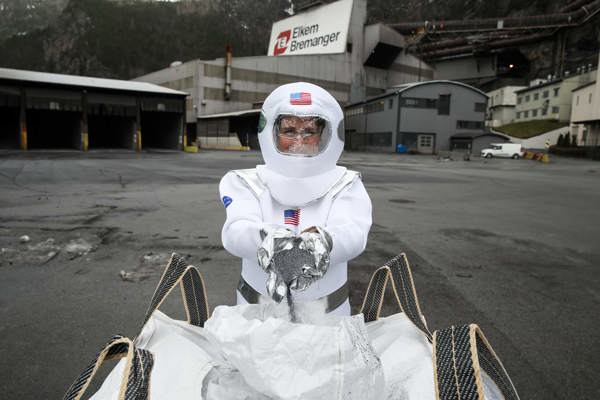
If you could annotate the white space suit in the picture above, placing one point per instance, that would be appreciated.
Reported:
(297, 191)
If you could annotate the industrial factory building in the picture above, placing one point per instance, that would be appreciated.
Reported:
(354, 63)
(50, 111)
(491, 53)
(422, 117)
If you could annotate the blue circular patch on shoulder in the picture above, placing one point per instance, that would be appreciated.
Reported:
(227, 201)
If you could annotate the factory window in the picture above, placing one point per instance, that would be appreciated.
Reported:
(534, 113)
(374, 107)
(418, 103)
(358, 110)
(556, 91)
(518, 114)
(545, 111)
(469, 124)
(526, 114)
(390, 103)
(555, 110)
(536, 96)
(527, 98)
(519, 100)
(590, 99)
(479, 107)
(577, 100)
(443, 104)
(545, 94)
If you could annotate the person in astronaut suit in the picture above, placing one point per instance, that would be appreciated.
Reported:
(299, 197)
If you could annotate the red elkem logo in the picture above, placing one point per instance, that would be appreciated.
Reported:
(281, 43)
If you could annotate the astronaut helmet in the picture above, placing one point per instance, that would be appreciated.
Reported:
(301, 130)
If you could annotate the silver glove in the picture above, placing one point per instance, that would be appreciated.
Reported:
(275, 240)
(318, 245)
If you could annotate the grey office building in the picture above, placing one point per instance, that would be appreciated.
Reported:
(421, 117)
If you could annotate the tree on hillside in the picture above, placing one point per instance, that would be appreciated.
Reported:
(20, 17)
(67, 48)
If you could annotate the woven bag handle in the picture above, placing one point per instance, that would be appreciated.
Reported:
(398, 271)
(135, 382)
(192, 290)
(459, 355)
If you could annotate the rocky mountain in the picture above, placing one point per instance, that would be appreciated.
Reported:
(127, 38)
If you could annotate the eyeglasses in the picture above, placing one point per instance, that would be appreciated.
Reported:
(292, 133)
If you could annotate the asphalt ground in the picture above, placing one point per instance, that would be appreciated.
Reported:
(511, 245)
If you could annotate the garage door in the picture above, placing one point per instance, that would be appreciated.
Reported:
(425, 144)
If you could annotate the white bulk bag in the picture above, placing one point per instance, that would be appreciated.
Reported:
(405, 356)
(250, 352)
(289, 361)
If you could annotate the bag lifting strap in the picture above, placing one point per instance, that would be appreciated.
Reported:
(459, 352)
(404, 290)
(136, 378)
(459, 355)
(192, 290)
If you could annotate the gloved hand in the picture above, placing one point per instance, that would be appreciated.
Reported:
(318, 243)
(275, 240)
(293, 262)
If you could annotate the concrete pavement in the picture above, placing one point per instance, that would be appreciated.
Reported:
(509, 244)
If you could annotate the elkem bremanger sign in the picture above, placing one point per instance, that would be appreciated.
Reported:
(322, 30)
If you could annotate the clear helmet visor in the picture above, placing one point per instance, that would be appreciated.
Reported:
(301, 135)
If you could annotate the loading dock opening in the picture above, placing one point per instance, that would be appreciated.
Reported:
(9, 127)
(191, 133)
(9, 118)
(49, 129)
(160, 130)
(111, 132)
(111, 120)
(229, 130)
(162, 123)
(246, 128)
(53, 119)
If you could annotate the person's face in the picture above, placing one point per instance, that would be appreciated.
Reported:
(299, 135)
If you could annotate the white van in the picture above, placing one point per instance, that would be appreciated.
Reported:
(512, 150)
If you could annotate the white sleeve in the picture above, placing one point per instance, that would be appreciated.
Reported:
(349, 222)
(241, 230)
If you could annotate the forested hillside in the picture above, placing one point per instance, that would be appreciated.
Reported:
(127, 38)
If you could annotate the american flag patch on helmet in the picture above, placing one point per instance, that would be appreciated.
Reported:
(291, 217)
(300, 99)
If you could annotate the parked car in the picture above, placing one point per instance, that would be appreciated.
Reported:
(512, 150)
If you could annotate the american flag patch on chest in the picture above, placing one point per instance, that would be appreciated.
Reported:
(291, 217)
